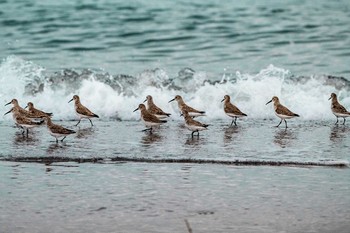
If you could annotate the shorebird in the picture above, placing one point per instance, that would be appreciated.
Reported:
(57, 131)
(154, 109)
(82, 111)
(22, 121)
(36, 112)
(148, 118)
(281, 111)
(231, 110)
(338, 109)
(21, 110)
(184, 107)
(193, 125)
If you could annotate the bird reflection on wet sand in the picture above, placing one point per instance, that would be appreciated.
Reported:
(284, 137)
(338, 133)
(195, 141)
(231, 133)
(85, 133)
(150, 139)
(20, 139)
(54, 147)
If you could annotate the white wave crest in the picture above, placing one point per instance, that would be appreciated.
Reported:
(250, 92)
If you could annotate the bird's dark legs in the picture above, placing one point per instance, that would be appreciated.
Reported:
(279, 123)
(63, 138)
(344, 121)
(286, 123)
(90, 122)
(25, 131)
(56, 140)
(148, 129)
(78, 122)
(192, 134)
(234, 121)
(336, 121)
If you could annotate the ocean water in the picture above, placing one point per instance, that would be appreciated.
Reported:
(115, 178)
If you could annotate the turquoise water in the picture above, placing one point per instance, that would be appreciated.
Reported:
(114, 178)
(130, 36)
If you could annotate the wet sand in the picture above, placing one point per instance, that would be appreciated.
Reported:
(92, 191)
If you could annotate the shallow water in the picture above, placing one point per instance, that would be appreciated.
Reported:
(251, 140)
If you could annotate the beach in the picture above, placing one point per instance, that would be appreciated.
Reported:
(112, 56)
(105, 193)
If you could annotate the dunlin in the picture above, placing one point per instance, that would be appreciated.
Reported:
(184, 107)
(22, 121)
(36, 112)
(82, 111)
(281, 111)
(148, 118)
(338, 109)
(193, 125)
(231, 110)
(21, 110)
(154, 109)
(57, 131)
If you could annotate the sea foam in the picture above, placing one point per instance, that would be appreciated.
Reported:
(116, 96)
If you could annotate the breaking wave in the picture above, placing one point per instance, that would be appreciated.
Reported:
(115, 96)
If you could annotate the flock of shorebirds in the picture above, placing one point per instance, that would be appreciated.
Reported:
(151, 116)
(33, 117)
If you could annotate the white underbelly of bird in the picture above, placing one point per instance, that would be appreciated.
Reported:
(83, 116)
(284, 116)
(161, 116)
(195, 114)
(341, 114)
(234, 115)
(195, 127)
(150, 123)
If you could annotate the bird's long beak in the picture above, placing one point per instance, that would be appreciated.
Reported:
(222, 100)
(171, 100)
(70, 101)
(268, 102)
(135, 110)
(8, 103)
(26, 107)
(330, 98)
(8, 112)
(145, 100)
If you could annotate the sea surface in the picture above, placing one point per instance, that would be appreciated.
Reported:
(113, 177)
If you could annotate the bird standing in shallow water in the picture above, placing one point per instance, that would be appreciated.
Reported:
(338, 109)
(82, 111)
(148, 118)
(193, 125)
(281, 111)
(22, 121)
(57, 131)
(154, 109)
(184, 107)
(231, 110)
